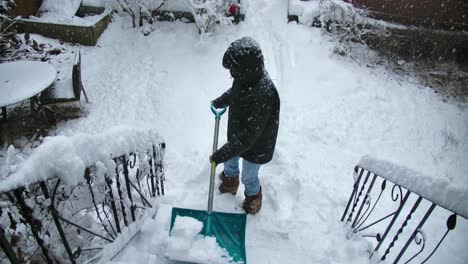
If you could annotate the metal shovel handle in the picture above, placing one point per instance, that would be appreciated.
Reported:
(218, 113)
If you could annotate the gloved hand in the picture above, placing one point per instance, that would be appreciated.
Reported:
(216, 104)
(214, 159)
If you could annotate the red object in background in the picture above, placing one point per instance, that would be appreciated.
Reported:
(233, 9)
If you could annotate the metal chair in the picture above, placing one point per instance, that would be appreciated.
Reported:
(68, 90)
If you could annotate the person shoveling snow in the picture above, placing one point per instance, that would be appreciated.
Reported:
(252, 131)
(186, 244)
(254, 107)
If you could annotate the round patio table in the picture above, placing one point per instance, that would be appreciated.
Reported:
(22, 80)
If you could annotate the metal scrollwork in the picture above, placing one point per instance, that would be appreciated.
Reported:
(421, 239)
(363, 200)
(360, 223)
(451, 224)
(356, 201)
(367, 203)
(396, 196)
(400, 230)
(132, 163)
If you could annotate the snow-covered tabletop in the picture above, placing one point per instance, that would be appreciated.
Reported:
(21, 80)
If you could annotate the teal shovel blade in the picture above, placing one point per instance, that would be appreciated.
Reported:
(227, 228)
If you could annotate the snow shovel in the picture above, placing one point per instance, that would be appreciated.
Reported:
(227, 228)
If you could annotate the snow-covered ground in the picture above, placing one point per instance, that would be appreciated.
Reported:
(333, 112)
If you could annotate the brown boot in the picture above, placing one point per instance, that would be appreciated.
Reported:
(252, 204)
(228, 184)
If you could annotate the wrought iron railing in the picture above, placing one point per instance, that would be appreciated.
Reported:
(49, 221)
(395, 226)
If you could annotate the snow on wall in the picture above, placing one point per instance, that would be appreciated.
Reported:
(306, 11)
(178, 5)
(97, 3)
(56, 18)
(65, 8)
(63, 12)
(67, 157)
(435, 189)
(170, 5)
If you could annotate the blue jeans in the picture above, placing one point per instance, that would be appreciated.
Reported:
(249, 174)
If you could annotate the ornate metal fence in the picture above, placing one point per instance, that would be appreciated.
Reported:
(396, 220)
(52, 222)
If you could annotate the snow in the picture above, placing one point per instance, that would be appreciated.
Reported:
(15, 87)
(333, 111)
(306, 11)
(63, 12)
(178, 5)
(186, 244)
(97, 3)
(67, 157)
(171, 5)
(64, 8)
(439, 190)
(57, 18)
(64, 89)
(129, 232)
(245, 45)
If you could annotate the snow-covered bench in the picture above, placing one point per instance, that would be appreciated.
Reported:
(406, 217)
(74, 194)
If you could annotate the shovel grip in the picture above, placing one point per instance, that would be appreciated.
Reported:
(217, 112)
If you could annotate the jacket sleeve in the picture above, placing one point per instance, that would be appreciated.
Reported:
(258, 114)
(224, 100)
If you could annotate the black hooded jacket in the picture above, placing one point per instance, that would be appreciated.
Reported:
(254, 105)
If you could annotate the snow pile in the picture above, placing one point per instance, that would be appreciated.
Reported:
(341, 12)
(185, 243)
(97, 3)
(306, 11)
(12, 158)
(171, 5)
(56, 18)
(67, 157)
(63, 12)
(63, 8)
(178, 6)
(438, 190)
(111, 250)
